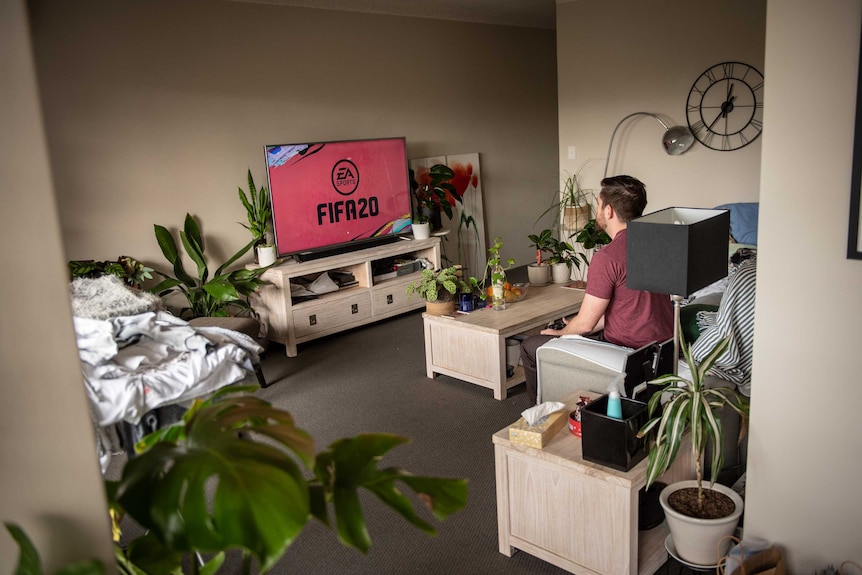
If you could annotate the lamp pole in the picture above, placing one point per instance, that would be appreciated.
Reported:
(677, 303)
(676, 140)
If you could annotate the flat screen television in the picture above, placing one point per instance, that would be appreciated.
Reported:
(332, 197)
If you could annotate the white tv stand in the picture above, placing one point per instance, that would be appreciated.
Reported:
(369, 301)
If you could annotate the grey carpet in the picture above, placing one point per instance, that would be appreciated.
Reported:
(372, 379)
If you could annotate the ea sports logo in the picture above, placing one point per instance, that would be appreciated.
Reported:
(345, 177)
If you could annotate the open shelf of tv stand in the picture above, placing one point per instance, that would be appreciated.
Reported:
(368, 301)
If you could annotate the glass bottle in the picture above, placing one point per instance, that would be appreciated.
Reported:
(498, 278)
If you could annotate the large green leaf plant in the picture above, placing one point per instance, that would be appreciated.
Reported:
(267, 481)
(206, 295)
(691, 406)
(236, 473)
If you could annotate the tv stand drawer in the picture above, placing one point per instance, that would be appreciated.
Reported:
(329, 315)
(392, 299)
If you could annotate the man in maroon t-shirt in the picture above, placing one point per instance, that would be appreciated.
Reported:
(629, 318)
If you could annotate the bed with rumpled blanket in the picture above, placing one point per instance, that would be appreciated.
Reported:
(133, 364)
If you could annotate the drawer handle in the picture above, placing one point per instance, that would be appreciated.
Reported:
(389, 299)
(312, 319)
(354, 308)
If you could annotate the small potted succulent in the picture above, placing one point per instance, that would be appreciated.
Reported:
(696, 530)
(421, 227)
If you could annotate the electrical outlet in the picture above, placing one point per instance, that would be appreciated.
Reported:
(573, 153)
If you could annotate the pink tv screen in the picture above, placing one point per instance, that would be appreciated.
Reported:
(332, 194)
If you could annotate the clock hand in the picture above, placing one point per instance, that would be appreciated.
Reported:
(720, 114)
(726, 107)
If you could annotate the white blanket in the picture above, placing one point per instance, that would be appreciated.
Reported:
(133, 364)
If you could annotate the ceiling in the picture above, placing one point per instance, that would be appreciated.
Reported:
(526, 13)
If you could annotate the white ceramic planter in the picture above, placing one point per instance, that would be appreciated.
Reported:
(266, 255)
(421, 231)
(561, 273)
(696, 540)
(539, 274)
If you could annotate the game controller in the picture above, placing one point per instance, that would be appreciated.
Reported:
(557, 324)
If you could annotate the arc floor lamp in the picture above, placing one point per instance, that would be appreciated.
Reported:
(676, 140)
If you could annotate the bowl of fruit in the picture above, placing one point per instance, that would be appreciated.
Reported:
(515, 292)
(511, 292)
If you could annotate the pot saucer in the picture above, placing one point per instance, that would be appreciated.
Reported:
(671, 549)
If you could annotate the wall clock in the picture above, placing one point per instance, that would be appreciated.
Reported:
(725, 106)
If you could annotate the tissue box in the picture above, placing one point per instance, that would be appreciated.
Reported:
(613, 442)
(539, 435)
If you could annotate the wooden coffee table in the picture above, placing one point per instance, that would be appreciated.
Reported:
(472, 347)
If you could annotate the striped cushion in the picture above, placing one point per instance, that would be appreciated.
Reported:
(735, 316)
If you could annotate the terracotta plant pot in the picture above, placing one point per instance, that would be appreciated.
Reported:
(440, 308)
(696, 540)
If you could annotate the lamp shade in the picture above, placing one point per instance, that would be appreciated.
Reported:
(677, 140)
(677, 251)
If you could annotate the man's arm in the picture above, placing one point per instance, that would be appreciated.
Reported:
(590, 318)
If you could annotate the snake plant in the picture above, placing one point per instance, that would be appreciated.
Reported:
(258, 210)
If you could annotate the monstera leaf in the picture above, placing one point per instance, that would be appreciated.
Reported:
(230, 476)
(351, 463)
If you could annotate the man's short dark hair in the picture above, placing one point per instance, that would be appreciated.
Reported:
(626, 195)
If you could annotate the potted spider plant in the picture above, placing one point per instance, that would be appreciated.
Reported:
(698, 516)
(572, 205)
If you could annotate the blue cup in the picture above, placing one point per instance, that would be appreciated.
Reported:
(465, 302)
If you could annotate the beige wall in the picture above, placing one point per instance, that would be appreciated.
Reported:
(805, 455)
(157, 108)
(49, 474)
(616, 57)
(805, 452)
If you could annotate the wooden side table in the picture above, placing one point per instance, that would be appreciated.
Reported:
(577, 515)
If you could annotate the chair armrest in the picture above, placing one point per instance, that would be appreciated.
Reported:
(565, 365)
